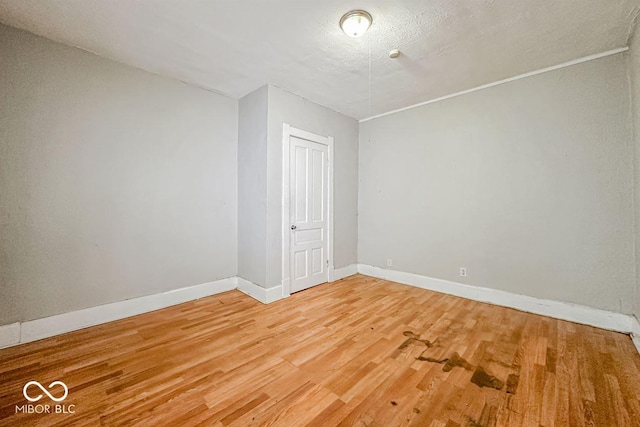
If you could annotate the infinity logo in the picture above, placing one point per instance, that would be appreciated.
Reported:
(38, 397)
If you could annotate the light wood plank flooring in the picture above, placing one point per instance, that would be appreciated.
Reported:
(360, 351)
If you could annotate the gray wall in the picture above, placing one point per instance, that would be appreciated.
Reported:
(114, 183)
(285, 107)
(634, 68)
(252, 187)
(528, 185)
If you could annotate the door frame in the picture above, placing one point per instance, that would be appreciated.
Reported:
(287, 132)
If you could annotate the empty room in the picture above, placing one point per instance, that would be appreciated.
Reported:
(320, 213)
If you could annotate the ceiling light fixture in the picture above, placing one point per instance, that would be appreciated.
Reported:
(355, 23)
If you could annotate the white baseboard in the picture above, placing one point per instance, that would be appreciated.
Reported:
(20, 333)
(33, 330)
(10, 335)
(269, 295)
(558, 310)
(343, 272)
(635, 332)
(264, 295)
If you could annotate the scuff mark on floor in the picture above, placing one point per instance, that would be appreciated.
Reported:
(449, 363)
(413, 338)
(480, 376)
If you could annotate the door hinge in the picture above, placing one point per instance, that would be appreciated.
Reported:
(327, 263)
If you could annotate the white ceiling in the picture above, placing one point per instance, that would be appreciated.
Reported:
(236, 46)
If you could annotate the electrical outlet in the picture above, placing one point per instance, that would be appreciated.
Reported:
(389, 263)
(463, 272)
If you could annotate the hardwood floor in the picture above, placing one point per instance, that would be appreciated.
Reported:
(360, 351)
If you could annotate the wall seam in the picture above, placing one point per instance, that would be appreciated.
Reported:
(634, 170)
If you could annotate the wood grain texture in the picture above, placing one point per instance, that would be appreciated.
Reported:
(360, 351)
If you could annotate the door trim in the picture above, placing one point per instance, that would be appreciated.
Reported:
(287, 132)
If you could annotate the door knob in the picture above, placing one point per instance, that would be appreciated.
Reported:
(293, 227)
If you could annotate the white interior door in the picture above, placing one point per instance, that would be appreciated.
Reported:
(308, 205)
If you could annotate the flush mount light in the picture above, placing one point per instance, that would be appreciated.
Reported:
(355, 23)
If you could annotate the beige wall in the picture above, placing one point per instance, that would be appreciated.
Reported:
(529, 185)
(114, 183)
(634, 74)
(252, 187)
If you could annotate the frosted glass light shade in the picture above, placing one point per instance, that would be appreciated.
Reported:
(355, 23)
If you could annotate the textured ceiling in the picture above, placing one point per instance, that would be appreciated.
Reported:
(234, 47)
